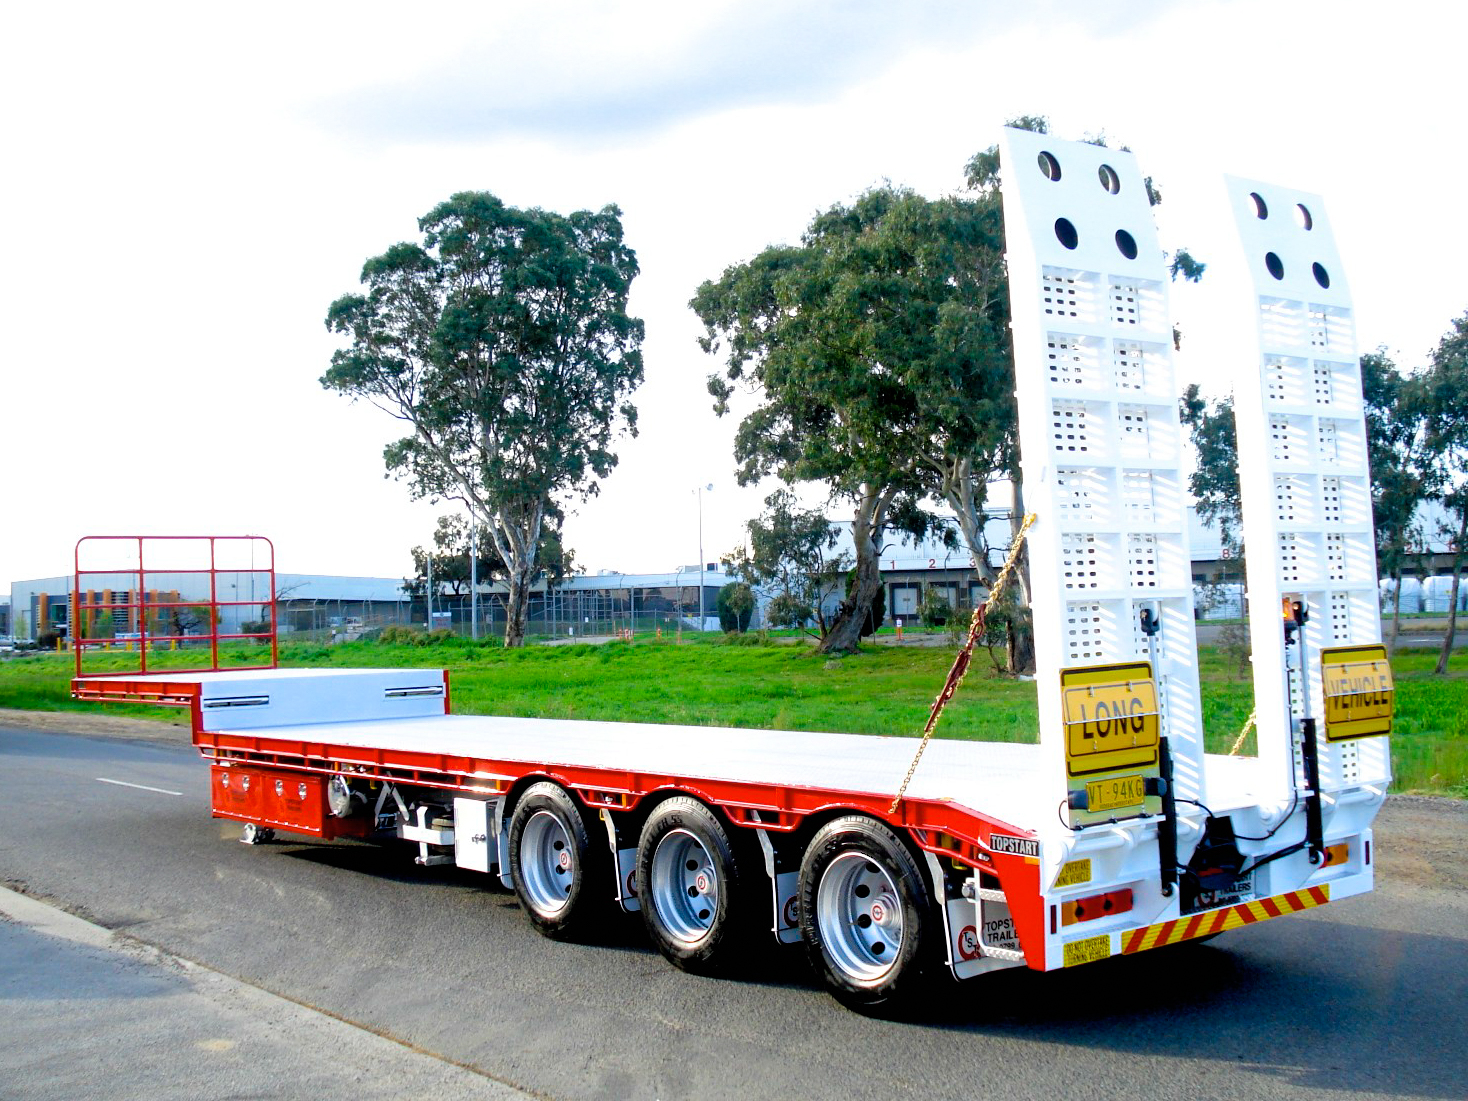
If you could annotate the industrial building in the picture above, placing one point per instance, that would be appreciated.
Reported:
(326, 606)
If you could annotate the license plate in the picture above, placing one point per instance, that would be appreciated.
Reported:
(1118, 792)
(1088, 950)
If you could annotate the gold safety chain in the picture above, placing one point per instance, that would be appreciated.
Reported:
(960, 663)
(1248, 725)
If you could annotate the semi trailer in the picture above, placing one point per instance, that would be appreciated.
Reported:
(1116, 833)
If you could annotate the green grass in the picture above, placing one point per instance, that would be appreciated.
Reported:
(705, 681)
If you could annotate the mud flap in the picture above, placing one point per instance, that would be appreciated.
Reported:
(626, 867)
(784, 889)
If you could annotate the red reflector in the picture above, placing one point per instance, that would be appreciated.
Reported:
(1096, 906)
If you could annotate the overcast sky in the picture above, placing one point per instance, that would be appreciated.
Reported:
(187, 188)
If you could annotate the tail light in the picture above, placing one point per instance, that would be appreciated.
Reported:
(1093, 907)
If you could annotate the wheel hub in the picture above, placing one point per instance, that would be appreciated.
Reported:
(685, 886)
(859, 917)
(546, 863)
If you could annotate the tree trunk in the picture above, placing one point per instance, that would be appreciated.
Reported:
(517, 604)
(1022, 628)
(958, 490)
(1447, 649)
(517, 539)
(844, 635)
(1396, 576)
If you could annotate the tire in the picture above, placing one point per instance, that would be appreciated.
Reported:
(695, 888)
(866, 917)
(555, 864)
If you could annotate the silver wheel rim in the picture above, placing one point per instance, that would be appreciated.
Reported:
(685, 886)
(547, 863)
(859, 915)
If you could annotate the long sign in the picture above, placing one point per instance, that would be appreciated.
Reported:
(1112, 729)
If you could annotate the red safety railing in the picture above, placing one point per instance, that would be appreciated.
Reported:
(165, 619)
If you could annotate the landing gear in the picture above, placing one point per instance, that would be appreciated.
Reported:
(256, 835)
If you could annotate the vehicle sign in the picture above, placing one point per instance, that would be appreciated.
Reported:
(1087, 950)
(1116, 793)
(1359, 692)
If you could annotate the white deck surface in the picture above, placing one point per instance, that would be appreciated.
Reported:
(1002, 780)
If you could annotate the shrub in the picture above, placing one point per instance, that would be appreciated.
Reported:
(789, 611)
(395, 634)
(736, 607)
(934, 610)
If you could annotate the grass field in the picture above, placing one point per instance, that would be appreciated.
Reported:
(706, 681)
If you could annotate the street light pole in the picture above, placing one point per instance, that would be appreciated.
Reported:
(699, 491)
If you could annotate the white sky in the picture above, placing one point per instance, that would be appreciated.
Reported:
(187, 188)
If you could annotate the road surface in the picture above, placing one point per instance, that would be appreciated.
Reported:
(1367, 997)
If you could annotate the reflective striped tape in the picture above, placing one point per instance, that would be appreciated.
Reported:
(1229, 917)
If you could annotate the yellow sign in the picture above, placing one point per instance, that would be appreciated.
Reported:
(1073, 873)
(1359, 692)
(1088, 950)
(1110, 716)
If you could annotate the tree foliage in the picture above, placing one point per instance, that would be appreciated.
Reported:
(735, 604)
(1214, 482)
(792, 558)
(1396, 449)
(877, 347)
(452, 544)
(503, 343)
(1444, 398)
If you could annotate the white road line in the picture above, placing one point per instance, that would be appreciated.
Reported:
(140, 787)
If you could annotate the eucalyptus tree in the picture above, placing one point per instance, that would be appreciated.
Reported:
(1445, 409)
(447, 560)
(1401, 474)
(792, 558)
(502, 342)
(1214, 482)
(872, 348)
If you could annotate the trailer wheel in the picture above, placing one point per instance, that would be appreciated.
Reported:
(253, 834)
(553, 862)
(692, 887)
(865, 914)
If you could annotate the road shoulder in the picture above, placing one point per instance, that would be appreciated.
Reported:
(143, 1023)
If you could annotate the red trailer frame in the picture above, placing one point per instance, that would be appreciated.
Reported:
(83, 613)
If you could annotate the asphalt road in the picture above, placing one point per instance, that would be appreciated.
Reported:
(1367, 997)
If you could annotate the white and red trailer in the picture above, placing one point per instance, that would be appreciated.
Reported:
(1115, 834)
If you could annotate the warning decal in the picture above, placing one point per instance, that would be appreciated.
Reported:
(1218, 921)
